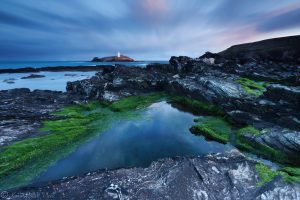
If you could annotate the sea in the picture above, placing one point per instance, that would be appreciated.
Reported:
(35, 64)
(56, 81)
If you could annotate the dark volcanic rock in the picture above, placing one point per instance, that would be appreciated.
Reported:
(114, 82)
(33, 76)
(273, 60)
(121, 58)
(277, 92)
(183, 64)
(219, 176)
(22, 111)
(200, 81)
(210, 55)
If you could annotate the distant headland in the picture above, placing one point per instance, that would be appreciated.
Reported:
(118, 58)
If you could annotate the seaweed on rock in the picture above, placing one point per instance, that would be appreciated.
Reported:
(23, 160)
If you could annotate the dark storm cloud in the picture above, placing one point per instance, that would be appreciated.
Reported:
(145, 29)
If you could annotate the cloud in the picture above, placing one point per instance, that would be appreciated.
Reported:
(14, 20)
(145, 29)
(290, 19)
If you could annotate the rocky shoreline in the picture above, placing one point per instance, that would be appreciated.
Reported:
(260, 90)
(218, 176)
(22, 111)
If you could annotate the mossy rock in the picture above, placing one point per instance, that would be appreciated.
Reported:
(265, 151)
(249, 130)
(252, 87)
(212, 128)
(289, 174)
(21, 161)
(195, 106)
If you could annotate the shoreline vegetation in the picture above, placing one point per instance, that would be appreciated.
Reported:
(216, 126)
(23, 160)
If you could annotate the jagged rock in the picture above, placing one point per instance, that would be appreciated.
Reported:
(210, 55)
(160, 67)
(210, 58)
(242, 117)
(285, 140)
(22, 111)
(277, 92)
(184, 64)
(206, 83)
(218, 176)
(120, 81)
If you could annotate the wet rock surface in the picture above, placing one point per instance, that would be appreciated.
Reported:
(111, 83)
(219, 176)
(209, 84)
(288, 141)
(211, 78)
(33, 76)
(214, 79)
(22, 111)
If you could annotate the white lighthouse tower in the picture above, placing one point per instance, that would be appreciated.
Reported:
(119, 55)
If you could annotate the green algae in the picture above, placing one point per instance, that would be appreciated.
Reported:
(212, 128)
(249, 130)
(289, 174)
(265, 174)
(23, 160)
(195, 106)
(262, 150)
(136, 102)
(218, 129)
(292, 174)
(252, 87)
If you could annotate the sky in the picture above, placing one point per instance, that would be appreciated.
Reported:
(65, 30)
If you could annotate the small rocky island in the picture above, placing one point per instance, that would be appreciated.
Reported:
(118, 58)
(253, 90)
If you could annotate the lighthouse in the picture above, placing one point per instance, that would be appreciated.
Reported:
(119, 55)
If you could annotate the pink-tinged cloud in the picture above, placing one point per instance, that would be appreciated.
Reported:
(283, 10)
(154, 6)
(143, 29)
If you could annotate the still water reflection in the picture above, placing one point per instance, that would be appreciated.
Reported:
(163, 133)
